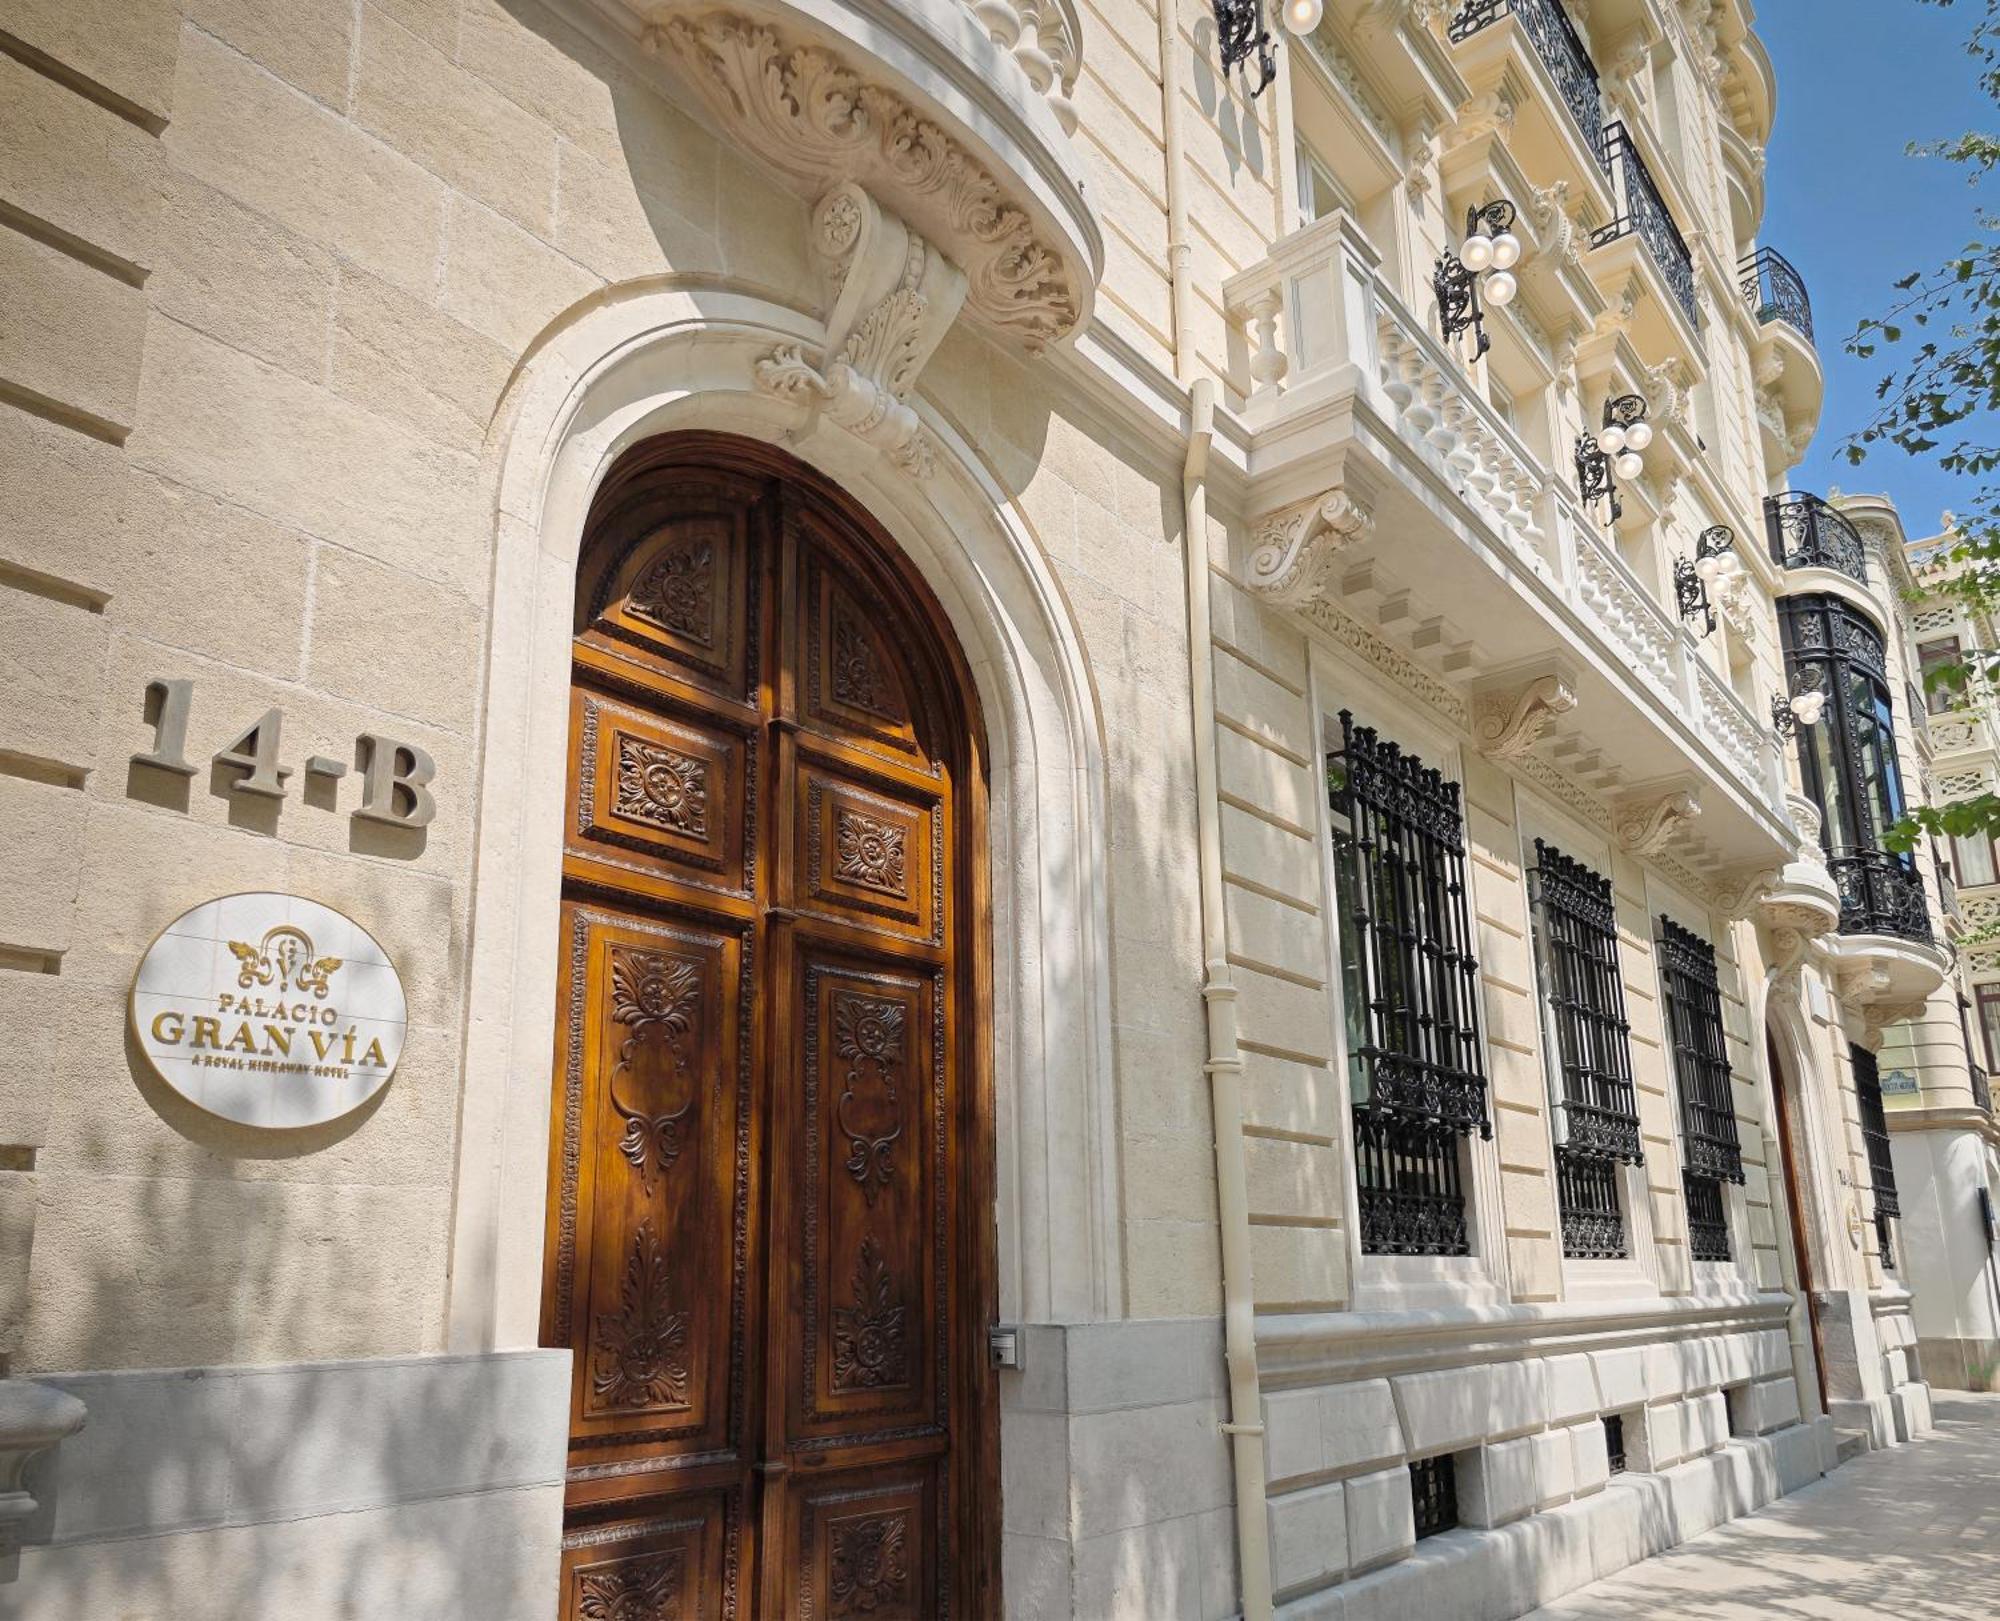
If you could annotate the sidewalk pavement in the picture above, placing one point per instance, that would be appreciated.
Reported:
(1912, 1532)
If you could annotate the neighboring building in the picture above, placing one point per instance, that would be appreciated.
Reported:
(1936, 1091)
(1081, 920)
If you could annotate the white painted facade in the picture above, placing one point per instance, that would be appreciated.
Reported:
(335, 313)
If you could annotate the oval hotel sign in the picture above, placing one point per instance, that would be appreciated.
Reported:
(270, 1010)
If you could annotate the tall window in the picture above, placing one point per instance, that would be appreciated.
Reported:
(1710, 1152)
(1929, 656)
(1972, 860)
(1988, 997)
(1589, 1044)
(1410, 985)
(1848, 762)
(1319, 193)
(1875, 1137)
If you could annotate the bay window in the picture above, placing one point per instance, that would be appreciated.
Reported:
(1849, 766)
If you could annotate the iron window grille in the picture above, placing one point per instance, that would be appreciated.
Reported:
(1644, 211)
(1710, 1151)
(1708, 1217)
(1614, 1441)
(1875, 1137)
(1804, 532)
(1701, 1061)
(1434, 1494)
(1410, 988)
(1562, 51)
(1775, 291)
(1583, 996)
(1849, 764)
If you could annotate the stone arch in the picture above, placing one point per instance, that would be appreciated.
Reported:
(664, 357)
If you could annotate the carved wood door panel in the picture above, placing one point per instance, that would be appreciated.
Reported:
(769, 1213)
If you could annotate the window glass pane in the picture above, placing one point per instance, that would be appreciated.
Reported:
(1319, 193)
(1989, 1022)
(1972, 861)
(1929, 656)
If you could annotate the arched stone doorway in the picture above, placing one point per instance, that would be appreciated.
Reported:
(770, 1208)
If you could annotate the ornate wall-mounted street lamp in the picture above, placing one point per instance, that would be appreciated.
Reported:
(1802, 706)
(1491, 250)
(1619, 449)
(1714, 562)
(1241, 34)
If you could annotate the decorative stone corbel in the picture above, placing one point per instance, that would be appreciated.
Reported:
(1422, 146)
(1508, 721)
(1294, 549)
(895, 297)
(1616, 316)
(1668, 394)
(1736, 599)
(1739, 893)
(1648, 822)
(1488, 114)
(33, 1418)
(1548, 209)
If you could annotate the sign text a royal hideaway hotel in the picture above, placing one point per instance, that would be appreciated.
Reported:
(270, 1010)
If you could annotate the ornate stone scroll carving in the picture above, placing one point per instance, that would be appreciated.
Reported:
(1508, 722)
(895, 297)
(1648, 823)
(1292, 558)
(810, 116)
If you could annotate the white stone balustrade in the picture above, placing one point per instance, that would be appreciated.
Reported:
(1046, 38)
(1316, 321)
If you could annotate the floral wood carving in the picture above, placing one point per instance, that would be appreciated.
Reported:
(871, 1569)
(870, 1349)
(808, 115)
(676, 591)
(646, 1589)
(870, 852)
(869, 1037)
(640, 1352)
(859, 677)
(652, 993)
(661, 787)
(1295, 549)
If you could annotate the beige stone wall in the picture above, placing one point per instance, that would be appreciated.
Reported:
(277, 265)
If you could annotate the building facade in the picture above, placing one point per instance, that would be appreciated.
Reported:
(1080, 790)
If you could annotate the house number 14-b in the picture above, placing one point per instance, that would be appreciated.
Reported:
(393, 775)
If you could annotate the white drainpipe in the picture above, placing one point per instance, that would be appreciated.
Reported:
(1245, 1426)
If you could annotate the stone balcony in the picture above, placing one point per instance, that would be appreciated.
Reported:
(1785, 363)
(1391, 493)
(954, 118)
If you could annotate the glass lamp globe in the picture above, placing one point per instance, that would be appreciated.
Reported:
(1500, 288)
(1612, 440)
(1477, 254)
(1506, 251)
(1639, 435)
(1630, 465)
(1709, 568)
(1726, 565)
(1808, 707)
(1302, 16)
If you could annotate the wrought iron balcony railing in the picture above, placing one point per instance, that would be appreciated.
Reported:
(1880, 894)
(1805, 532)
(1775, 291)
(1646, 212)
(1562, 52)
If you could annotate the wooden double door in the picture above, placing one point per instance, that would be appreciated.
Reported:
(769, 1225)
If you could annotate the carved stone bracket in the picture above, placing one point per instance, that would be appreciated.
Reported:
(1293, 554)
(1648, 822)
(816, 121)
(895, 297)
(1507, 722)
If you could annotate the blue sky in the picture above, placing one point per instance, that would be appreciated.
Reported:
(1858, 80)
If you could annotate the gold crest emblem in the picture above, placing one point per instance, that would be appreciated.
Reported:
(284, 959)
